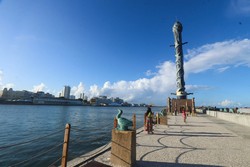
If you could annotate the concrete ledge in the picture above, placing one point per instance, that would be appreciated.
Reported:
(231, 117)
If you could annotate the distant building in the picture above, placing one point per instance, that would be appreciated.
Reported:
(42, 94)
(56, 101)
(100, 101)
(23, 95)
(117, 100)
(72, 97)
(104, 101)
(85, 98)
(15, 95)
(66, 92)
(81, 96)
(39, 98)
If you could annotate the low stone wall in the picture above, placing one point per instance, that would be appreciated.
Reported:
(231, 117)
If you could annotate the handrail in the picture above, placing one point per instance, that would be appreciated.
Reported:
(99, 137)
(100, 133)
(37, 155)
(84, 130)
(53, 163)
(17, 144)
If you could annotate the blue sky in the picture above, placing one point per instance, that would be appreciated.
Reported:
(120, 48)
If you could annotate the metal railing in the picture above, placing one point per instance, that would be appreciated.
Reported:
(72, 136)
(39, 153)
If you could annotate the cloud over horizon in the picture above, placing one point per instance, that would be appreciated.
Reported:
(38, 88)
(155, 88)
(77, 90)
(229, 103)
(218, 56)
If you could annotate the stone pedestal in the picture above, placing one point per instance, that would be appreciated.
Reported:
(123, 148)
(163, 120)
(175, 106)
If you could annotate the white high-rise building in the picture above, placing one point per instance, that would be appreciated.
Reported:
(66, 92)
(81, 96)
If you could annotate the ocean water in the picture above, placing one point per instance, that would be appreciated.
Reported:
(33, 135)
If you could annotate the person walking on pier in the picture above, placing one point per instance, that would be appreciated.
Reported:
(149, 117)
(184, 114)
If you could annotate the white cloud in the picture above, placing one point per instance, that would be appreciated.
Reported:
(222, 69)
(94, 91)
(77, 90)
(225, 103)
(153, 89)
(228, 103)
(40, 87)
(150, 73)
(241, 6)
(218, 56)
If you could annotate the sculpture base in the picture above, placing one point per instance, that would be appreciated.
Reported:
(175, 105)
(182, 97)
(123, 148)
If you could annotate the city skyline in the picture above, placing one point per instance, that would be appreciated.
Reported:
(121, 48)
(10, 96)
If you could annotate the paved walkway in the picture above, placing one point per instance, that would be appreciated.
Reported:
(202, 141)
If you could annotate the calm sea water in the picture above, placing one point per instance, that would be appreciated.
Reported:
(90, 128)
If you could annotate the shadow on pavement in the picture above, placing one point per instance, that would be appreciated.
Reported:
(164, 164)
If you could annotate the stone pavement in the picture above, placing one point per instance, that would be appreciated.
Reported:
(202, 141)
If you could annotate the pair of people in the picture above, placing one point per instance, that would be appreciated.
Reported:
(149, 120)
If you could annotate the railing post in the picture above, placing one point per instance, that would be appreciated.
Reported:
(157, 118)
(134, 122)
(65, 146)
(115, 122)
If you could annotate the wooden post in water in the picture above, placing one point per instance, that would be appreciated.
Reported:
(134, 122)
(65, 146)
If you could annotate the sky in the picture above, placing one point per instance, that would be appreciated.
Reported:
(121, 48)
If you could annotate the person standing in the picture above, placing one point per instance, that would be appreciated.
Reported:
(184, 114)
(149, 117)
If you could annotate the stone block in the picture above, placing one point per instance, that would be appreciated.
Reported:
(123, 148)
(163, 120)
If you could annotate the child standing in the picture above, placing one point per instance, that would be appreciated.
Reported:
(184, 114)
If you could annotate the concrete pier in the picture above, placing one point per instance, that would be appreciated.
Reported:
(202, 141)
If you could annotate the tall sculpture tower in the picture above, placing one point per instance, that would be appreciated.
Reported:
(180, 92)
(175, 105)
